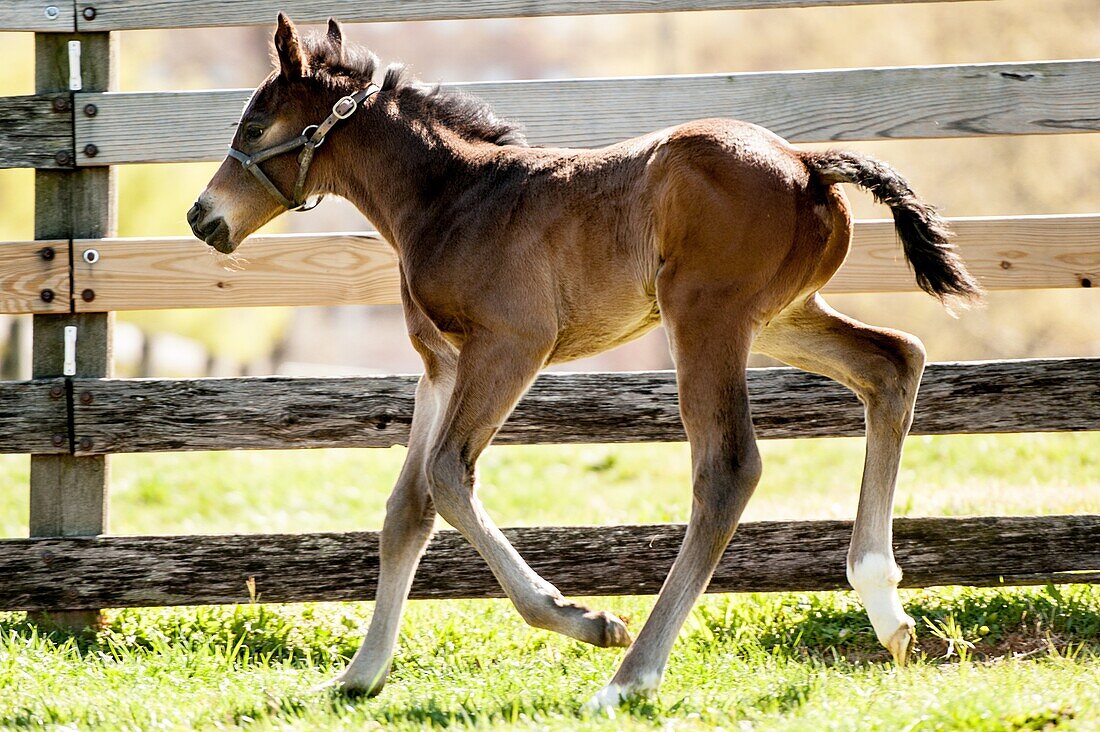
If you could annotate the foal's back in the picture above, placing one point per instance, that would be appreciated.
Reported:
(588, 231)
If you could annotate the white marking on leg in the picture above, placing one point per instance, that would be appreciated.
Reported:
(612, 695)
(875, 579)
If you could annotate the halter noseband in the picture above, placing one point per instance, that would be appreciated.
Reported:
(310, 139)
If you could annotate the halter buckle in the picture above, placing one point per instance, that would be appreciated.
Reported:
(347, 103)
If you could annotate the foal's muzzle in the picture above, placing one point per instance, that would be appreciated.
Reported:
(214, 232)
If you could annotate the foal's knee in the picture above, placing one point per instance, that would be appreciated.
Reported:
(723, 484)
(450, 481)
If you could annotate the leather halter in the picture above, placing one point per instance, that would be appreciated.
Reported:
(310, 139)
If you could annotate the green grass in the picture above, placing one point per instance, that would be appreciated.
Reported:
(790, 661)
(992, 659)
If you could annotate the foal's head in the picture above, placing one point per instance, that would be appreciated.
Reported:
(313, 74)
(257, 183)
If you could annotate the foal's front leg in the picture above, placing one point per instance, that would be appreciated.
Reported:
(405, 533)
(493, 374)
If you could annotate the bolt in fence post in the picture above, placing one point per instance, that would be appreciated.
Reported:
(69, 494)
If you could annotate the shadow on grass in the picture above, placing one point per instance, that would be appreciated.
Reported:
(244, 635)
(980, 624)
(449, 712)
(825, 627)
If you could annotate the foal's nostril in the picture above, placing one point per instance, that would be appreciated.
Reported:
(196, 214)
(195, 218)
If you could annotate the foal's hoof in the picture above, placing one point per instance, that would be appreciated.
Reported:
(606, 699)
(613, 695)
(350, 687)
(615, 634)
(600, 628)
(901, 643)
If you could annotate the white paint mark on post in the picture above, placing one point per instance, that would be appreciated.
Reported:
(69, 367)
(75, 83)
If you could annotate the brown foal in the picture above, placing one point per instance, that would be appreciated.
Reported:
(514, 257)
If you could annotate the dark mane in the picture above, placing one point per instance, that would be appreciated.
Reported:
(463, 113)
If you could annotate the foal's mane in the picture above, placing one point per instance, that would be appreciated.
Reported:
(350, 64)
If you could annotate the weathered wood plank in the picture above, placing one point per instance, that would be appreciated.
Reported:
(338, 269)
(33, 417)
(135, 14)
(34, 276)
(68, 495)
(804, 106)
(581, 560)
(36, 131)
(34, 16)
(151, 415)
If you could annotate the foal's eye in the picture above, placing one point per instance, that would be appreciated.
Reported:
(253, 133)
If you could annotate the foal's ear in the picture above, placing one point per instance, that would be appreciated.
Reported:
(336, 35)
(293, 63)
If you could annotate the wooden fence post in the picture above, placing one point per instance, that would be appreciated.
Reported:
(68, 495)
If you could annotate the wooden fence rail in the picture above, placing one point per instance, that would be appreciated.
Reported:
(35, 277)
(116, 15)
(124, 571)
(155, 415)
(1006, 253)
(34, 417)
(127, 415)
(36, 132)
(1047, 97)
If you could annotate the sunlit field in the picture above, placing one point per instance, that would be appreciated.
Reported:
(991, 659)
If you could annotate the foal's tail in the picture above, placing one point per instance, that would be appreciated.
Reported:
(925, 236)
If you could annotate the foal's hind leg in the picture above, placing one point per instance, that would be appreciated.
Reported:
(493, 373)
(883, 367)
(710, 337)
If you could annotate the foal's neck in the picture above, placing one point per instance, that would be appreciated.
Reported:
(403, 173)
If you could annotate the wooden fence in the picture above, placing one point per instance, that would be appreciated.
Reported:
(71, 420)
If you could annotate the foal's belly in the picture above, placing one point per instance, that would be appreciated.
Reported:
(602, 331)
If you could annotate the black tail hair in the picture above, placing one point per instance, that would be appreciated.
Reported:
(925, 235)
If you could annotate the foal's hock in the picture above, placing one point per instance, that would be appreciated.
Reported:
(515, 257)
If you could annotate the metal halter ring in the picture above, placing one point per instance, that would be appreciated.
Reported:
(307, 133)
(348, 100)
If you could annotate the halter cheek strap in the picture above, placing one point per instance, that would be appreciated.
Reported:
(310, 139)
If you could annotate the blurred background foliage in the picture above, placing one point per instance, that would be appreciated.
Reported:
(967, 177)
